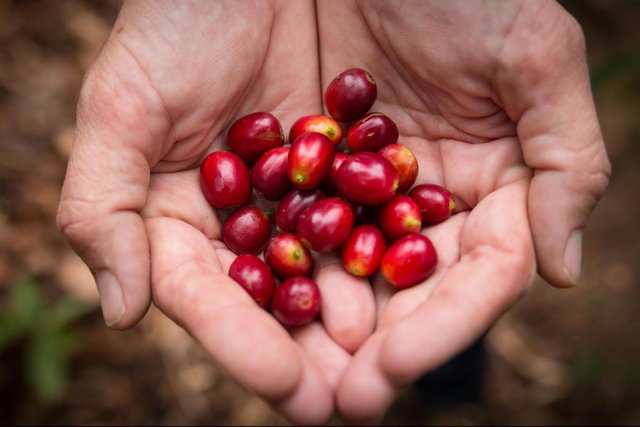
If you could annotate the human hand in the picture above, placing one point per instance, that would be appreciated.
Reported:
(167, 84)
(494, 99)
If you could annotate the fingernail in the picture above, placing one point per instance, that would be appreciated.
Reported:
(110, 297)
(573, 257)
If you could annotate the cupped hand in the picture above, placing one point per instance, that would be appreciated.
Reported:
(166, 86)
(494, 100)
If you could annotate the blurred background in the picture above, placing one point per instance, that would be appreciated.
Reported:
(558, 357)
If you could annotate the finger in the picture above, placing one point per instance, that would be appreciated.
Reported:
(106, 185)
(561, 139)
(312, 401)
(364, 390)
(348, 305)
(190, 286)
(321, 349)
(495, 268)
(179, 195)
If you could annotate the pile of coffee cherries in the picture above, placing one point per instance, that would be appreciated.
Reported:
(330, 198)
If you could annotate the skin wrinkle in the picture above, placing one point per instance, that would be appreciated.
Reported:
(169, 120)
(450, 117)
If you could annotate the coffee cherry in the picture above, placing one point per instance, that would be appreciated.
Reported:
(350, 95)
(317, 123)
(371, 133)
(409, 261)
(310, 160)
(325, 224)
(225, 180)
(269, 174)
(246, 230)
(363, 250)
(399, 216)
(405, 163)
(297, 301)
(292, 205)
(436, 203)
(367, 179)
(331, 183)
(288, 257)
(253, 135)
(254, 276)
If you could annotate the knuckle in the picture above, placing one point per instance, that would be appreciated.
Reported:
(74, 221)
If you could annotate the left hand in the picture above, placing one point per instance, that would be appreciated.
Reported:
(494, 100)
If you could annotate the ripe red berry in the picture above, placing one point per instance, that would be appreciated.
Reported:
(292, 205)
(325, 224)
(254, 276)
(297, 301)
(436, 203)
(253, 135)
(317, 123)
(288, 257)
(367, 178)
(269, 174)
(225, 180)
(405, 163)
(371, 133)
(399, 216)
(246, 230)
(409, 261)
(363, 250)
(350, 95)
(310, 160)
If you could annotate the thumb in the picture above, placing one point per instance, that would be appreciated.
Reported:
(549, 96)
(106, 186)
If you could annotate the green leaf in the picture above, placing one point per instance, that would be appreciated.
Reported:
(65, 311)
(46, 364)
(26, 299)
(11, 328)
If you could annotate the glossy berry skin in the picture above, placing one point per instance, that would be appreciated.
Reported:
(246, 230)
(317, 123)
(436, 203)
(253, 135)
(367, 179)
(350, 95)
(225, 180)
(371, 133)
(331, 183)
(288, 257)
(409, 261)
(402, 158)
(292, 205)
(310, 159)
(297, 301)
(269, 174)
(399, 216)
(363, 250)
(326, 224)
(255, 277)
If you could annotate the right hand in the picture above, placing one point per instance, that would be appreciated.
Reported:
(165, 87)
